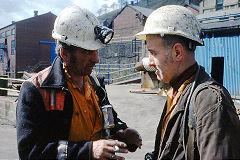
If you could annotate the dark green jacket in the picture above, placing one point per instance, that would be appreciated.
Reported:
(217, 132)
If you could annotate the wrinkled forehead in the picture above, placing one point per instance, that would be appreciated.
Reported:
(152, 37)
(154, 40)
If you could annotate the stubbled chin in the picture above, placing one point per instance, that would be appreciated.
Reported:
(88, 72)
(89, 68)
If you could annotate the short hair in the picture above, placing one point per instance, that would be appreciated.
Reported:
(69, 48)
(170, 40)
(60, 45)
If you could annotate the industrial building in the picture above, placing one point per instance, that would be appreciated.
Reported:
(207, 6)
(24, 44)
(21, 49)
(221, 36)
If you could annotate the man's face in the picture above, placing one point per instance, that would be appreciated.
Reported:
(161, 58)
(82, 62)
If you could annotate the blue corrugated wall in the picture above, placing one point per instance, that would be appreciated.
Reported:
(227, 47)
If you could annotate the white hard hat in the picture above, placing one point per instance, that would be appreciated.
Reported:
(172, 20)
(75, 26)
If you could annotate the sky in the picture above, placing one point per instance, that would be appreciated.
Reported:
(16, 10)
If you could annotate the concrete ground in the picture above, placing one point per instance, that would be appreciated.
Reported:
(8, 143)
(139, 111)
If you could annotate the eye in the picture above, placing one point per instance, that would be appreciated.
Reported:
(153, 53)
(92, 52)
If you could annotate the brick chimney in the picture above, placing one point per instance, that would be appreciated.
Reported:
(35, 13)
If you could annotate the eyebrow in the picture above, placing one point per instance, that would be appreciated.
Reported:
(151, 50)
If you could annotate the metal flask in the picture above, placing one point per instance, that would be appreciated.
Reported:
(108, 119)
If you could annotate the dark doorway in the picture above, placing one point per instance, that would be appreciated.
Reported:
(217, 69)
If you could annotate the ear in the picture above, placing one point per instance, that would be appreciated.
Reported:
(178, 52)
(65, 55)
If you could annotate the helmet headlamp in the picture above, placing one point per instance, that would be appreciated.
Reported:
(104, 34)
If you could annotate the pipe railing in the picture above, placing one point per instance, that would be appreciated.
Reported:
(113, 73)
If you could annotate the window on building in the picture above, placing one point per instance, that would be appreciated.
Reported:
(2, 56)
(12, 47)
(13, 31)
(219, 5)
(7, 33)
(2, 35)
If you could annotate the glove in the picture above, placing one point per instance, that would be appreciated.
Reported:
(131, 137)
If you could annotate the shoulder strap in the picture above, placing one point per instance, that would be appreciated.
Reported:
(191, 148)
(94, 80)
(98, 85)
(185, 129)
(192, 119)
(192, 124)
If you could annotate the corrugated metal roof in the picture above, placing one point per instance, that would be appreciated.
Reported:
(145, 11)
(109, 16)
(224, 24)
(169, 2)
(178, 2)
(219, 13)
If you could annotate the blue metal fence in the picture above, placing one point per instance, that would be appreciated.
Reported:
(117, 72)
(227, 47)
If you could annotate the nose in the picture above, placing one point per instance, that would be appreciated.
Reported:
(151, 60)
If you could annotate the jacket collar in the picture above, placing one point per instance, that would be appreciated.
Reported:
(203, 77)
(178, 81)
(56, 77)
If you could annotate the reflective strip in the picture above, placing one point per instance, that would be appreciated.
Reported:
(53, 100)
(59, 98)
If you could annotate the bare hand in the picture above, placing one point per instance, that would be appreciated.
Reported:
(105, 149)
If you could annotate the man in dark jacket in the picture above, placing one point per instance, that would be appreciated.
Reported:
(59, 110)
(199, 120)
